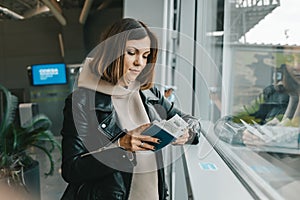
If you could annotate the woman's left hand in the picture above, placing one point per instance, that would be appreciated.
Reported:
(182, 139)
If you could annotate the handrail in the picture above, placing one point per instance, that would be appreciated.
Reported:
(253, 3)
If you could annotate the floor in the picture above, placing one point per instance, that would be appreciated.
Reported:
(52, 187)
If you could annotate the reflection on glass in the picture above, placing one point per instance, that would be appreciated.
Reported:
(262, 124)
(266, 90)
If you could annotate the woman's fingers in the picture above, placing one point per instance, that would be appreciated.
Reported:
(182, 139)
(134, 141)
(149, 139)
(249, 136)
(144, 142)
(250, 139)
(139, 130)
(144, 146)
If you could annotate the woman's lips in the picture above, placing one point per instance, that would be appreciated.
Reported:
(135, 70)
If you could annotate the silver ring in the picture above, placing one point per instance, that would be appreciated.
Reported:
(142, 144)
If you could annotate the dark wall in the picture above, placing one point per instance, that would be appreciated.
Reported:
(73, 38)
(96, 23)
(23, 43)
(36, 41)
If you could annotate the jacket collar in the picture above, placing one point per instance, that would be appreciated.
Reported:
(103, 101)
(149, 95)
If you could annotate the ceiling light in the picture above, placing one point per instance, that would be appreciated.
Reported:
(11, 13)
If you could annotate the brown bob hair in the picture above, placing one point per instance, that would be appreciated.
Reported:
(108, 63)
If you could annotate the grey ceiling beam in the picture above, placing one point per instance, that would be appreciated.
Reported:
(85, 11)
(11, 13)
(56, 10)
(36, 11)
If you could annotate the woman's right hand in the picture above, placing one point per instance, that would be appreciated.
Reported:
(135, 141)
(251, 139)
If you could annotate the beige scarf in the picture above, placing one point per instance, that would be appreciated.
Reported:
(131, 114)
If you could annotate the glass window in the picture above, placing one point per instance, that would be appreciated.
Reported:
(260, 121)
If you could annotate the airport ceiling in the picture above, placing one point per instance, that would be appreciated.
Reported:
(24, 9)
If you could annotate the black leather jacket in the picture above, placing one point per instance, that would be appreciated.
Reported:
(90, 123)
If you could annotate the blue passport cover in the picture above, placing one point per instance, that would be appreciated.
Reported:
(164, 136)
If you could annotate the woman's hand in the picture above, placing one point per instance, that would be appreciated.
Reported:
(250, 139)
(182, 139)
(134, 141)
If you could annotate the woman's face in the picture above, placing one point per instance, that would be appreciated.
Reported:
(135, 58)
(293, 67)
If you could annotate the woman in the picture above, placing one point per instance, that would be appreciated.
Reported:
(104, 154)
(291, 84)
(290, 75)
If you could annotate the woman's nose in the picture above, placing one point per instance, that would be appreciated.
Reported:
(138, 60)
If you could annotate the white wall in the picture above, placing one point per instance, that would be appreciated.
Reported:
(185, 56)
(188, 53)
(154, 14)
(207, 69)
(150, 12)
(197, 53)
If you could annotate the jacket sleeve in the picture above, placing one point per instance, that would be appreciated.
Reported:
(78, 168)
(171, 110)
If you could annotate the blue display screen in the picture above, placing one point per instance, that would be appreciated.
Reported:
(49, 74)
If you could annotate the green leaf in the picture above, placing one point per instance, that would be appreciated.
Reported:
(15, 136)
(50, 172)
(10, 105)
(15, 140)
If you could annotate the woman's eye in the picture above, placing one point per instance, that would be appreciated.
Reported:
(145, 56)
(131, 53)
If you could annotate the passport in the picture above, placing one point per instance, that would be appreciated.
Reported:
(167, 131)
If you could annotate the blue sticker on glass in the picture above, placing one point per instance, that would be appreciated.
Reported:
(208, 166)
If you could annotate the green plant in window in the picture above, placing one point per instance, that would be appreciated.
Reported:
(248, 110)
(267, 106)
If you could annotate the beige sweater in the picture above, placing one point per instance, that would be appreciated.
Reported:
(131, 114)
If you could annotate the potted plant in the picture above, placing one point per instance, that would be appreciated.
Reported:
(15, 142)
